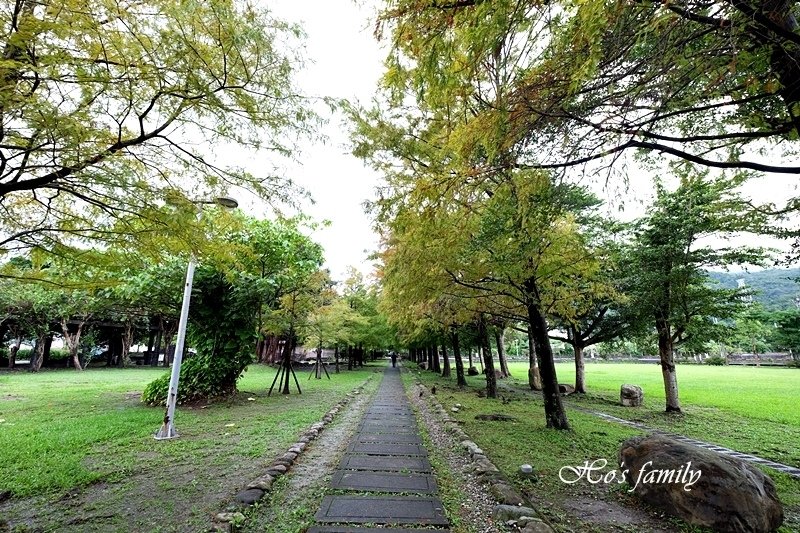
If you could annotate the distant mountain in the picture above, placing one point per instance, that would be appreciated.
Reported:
(775, 288)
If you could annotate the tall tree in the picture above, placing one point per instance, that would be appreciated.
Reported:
(106, 108)
(565, 84)
(667, 283)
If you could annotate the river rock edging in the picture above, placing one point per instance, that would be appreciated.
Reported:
(255, 490)
(513, 509)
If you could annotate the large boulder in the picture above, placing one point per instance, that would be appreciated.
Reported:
(631, 395)
(472, 371)
(701, 486)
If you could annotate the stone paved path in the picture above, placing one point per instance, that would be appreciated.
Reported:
(384, 477)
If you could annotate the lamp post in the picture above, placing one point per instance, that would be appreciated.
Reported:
(167, 429)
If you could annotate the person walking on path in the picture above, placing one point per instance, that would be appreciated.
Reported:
(394, 359)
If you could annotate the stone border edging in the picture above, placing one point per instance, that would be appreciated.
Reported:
(261, 486)
(513, 509)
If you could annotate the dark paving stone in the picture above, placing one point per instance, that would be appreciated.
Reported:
(356, 529)
(383, 481)
(390, 430)
(384, 422)
(396, 438)
(402, 420)
(378, 462)
(387, 449)
(381, 510)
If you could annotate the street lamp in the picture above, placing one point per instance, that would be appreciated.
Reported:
(167, 429)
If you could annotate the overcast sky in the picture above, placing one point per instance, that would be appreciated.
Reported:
(345, 61)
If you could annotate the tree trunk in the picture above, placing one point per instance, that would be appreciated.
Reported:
(499, 340)
(488, 363)
(159, 338)
(555, 415)
(668, 366)
(38, 353)
(461, 380)
(148, 360)
(127, 341)
(169, 332)
(12, 353)
(73, 341)
(273, 354)
(437, 367)
(534, 375)
(319, 362)
(580, 368)
(445, 362)
(48, 343)
(349, 358)
(287, 362)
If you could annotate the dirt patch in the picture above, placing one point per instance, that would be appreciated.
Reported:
(177, 499)
(608, 513)
(11, 397)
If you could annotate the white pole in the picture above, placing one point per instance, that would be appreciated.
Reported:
(167, 430)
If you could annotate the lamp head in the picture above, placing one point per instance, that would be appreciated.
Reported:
(226, 202)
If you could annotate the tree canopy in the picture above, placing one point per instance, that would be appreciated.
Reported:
(560, 84)
(108, 109)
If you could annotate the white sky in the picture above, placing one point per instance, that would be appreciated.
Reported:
(345, 61)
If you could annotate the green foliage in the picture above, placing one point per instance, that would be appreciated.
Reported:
(715, 360)
(667, 280)
(222, 329)
(97, 115)
(270, 278)
(565, 83)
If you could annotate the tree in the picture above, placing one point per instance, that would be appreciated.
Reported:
(563, 84)
(667, 283)
(604, 312)
(222, 330)
(751, 331)
(106, 108)
(334, 324)
(227, 293)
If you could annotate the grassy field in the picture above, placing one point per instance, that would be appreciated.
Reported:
(748, 409)
(764, 393)
(78, 451)
(752, 410)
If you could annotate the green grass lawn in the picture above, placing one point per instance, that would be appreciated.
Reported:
(753, 410)
(765, 393)
(65, 433)
(749, 409)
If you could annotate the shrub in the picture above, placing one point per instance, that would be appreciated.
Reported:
(715, 361)
(221, 328)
